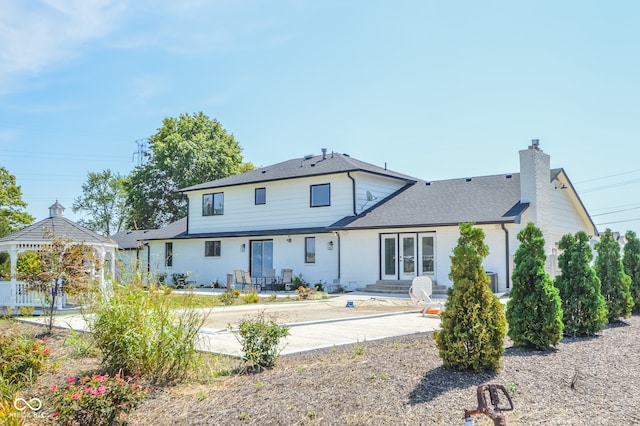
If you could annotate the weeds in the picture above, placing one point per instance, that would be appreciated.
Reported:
(260, 340)
(81, 345)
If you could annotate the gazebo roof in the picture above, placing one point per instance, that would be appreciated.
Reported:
(58, 226)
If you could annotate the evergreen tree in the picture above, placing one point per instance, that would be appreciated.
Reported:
(631, 262)
(473, 325)
(583, 307)
(534, 311)
(616, 285)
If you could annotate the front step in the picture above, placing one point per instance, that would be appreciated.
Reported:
(397, 287)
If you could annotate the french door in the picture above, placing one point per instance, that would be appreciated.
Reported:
(407, 255)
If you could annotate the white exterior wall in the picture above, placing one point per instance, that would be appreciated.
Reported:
(380, 187)
(188, 255)
(565, 214)
(287, 206)
(360, 254)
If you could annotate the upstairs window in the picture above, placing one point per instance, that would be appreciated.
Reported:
(213, 204)
(321, 195)
(212, 248)
(261, 196)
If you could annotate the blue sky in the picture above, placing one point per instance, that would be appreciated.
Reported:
(435, 90)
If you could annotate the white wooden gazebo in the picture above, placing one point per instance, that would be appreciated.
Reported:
(33, 237)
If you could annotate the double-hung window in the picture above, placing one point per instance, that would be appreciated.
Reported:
(321, 195)
(212, 248)
(213, 204)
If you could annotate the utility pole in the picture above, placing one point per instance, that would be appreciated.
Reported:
(142, 144)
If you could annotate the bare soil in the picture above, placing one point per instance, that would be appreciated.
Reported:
(398, 381)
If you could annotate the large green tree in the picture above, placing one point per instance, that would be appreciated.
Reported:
(583, 306)
(185, 151)
(104, 199)
(615, 284)
(534, 311)
(631, 262)
(473, 324)
(12, 214)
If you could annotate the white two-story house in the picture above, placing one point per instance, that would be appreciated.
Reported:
(331, 217)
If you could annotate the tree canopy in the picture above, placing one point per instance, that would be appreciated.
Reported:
(185, 151)
(12, 215)
(104, 200)
(631, 262)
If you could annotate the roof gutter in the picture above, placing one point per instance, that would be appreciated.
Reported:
(353, 186)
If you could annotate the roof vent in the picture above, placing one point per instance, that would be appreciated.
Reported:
(468, 179)
(308, 156)
(264, 171)
(509, 176)
(428, 183)
(324, 153)
(346, 155)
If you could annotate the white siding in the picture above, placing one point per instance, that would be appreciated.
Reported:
(287, 206)
(566, 215)
(380, 187)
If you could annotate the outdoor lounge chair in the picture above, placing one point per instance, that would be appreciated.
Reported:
(238, 279)
(287, 278)
(247, 281)
(420, 292)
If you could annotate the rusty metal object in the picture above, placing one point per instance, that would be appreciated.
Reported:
(494, 412)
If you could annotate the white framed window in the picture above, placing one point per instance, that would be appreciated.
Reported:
(310, 250)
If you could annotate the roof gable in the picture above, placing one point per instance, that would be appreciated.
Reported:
(61, 227)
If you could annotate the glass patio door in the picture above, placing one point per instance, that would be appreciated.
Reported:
(408, 251)
(261, 257)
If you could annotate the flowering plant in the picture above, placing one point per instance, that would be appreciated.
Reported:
(97, 400)
(304, 292)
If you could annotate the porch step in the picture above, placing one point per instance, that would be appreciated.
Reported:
(397, 287)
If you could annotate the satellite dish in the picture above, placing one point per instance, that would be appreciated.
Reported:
(370, 196)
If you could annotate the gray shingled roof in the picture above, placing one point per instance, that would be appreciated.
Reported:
(61, 227)
(301, 167)
(485, 199)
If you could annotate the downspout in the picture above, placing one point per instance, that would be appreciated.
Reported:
(338, 235)
(353, 186)
(148, 257)
(506, 246)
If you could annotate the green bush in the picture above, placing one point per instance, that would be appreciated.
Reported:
(473, 324)
(99, 400)
(631, 262)
(251, 297)
(227, 298)
(583, 306)
(534, 311)
(260, 340)
(22, 358)
(137, 332)
(616, 285)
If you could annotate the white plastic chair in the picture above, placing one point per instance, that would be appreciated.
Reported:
(420, 292)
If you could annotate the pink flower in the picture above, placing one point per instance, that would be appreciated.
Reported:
(102, 389)
(46, 351)
(88, 390)
(56, 414)
(54, 388)
(76, 396)
(70, 379)
(94, 392)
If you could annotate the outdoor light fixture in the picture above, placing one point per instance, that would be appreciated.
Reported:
(330, 245)
(243, 247)
(288, 239)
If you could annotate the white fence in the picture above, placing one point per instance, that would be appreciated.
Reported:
(15, 294)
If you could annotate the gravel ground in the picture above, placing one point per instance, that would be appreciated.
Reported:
(400, 381)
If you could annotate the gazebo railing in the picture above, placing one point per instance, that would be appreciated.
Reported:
(16, 294)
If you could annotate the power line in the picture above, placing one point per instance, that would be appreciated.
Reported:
(607, 177)
(612, 185)
(616, 211)
(618, 221)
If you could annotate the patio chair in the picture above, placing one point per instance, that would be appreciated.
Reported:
(247, 281)
(420, 292)
(239, 280)
(287, 278)
(270, 279)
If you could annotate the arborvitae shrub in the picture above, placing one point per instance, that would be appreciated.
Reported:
(583, 307)
(473, 324)
(534, 311)
(631, 262)
(616, 285)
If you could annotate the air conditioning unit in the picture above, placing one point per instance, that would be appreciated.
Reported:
(493, 281)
